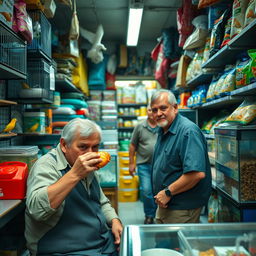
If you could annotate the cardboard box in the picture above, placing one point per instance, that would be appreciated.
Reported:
(182, 71)
(6, 12)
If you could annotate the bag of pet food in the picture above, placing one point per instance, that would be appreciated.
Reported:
(22, 23)
(217, 33)
(229, 82)
(250, 13)
(227, 32)
(238, 14)
(250, 72)
(241, 70)
(245, 113)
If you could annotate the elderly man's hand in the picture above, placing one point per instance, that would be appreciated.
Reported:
(86, 164)
(117, 229)
(161, 199)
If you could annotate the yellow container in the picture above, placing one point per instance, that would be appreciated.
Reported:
(124, 161)
(123, 153)
(128, 195)
(128, 182)
(124, 171)
(143, 111)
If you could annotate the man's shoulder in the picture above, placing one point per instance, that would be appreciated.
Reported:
(49, 157)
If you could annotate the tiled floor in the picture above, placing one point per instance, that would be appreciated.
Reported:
(131, 213)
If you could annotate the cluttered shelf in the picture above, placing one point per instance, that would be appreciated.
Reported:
(228, 54)
(236, 96)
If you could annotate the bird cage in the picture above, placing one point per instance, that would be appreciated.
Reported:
(37, 87)
(13, 54)
(41, 43)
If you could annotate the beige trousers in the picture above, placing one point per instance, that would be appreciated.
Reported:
(168, 216)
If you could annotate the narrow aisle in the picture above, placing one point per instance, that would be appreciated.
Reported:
(131, 213)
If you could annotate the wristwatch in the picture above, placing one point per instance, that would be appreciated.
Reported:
(168, 192)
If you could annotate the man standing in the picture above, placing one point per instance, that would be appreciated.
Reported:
(142, 143)
(181, 168)
(66, 211)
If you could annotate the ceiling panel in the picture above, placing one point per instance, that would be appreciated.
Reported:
(113, 15)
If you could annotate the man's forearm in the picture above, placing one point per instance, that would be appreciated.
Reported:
(58, 191)
(186, 182)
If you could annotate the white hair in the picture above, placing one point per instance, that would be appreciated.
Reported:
(85, 127)
(171, 97)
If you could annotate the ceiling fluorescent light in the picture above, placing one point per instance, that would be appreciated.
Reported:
(135, 16)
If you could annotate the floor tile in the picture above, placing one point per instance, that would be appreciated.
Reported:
(131, 213)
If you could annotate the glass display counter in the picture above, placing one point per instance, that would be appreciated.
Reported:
(235, 162)
(190, 239)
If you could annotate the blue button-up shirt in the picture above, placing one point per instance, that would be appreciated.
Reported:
(181, 150)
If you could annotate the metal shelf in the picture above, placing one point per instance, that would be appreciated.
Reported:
(248, 90)
(203, 78)
(222, 102)
(10, 73)
(246, 38)
(64, 85)
(224, 56)
(131, 105)
(134, 78)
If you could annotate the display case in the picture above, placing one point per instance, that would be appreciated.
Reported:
(236, 162)
(228, 211)
(188, 239)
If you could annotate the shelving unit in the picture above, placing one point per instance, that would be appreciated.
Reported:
(227, 55)
(64, 85)
(203, 78)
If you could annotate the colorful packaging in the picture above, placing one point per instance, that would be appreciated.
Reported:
(241, 70)
(229, 82)
(238, 14)
(251, 71)
(245, 113)
(250, 13)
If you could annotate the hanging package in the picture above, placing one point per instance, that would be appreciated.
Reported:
(74, 28)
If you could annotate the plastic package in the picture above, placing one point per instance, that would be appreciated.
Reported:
(218, 32)
(245, 113)
(238, 14)
(241, 67)
(214, 12)
(250, 13)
